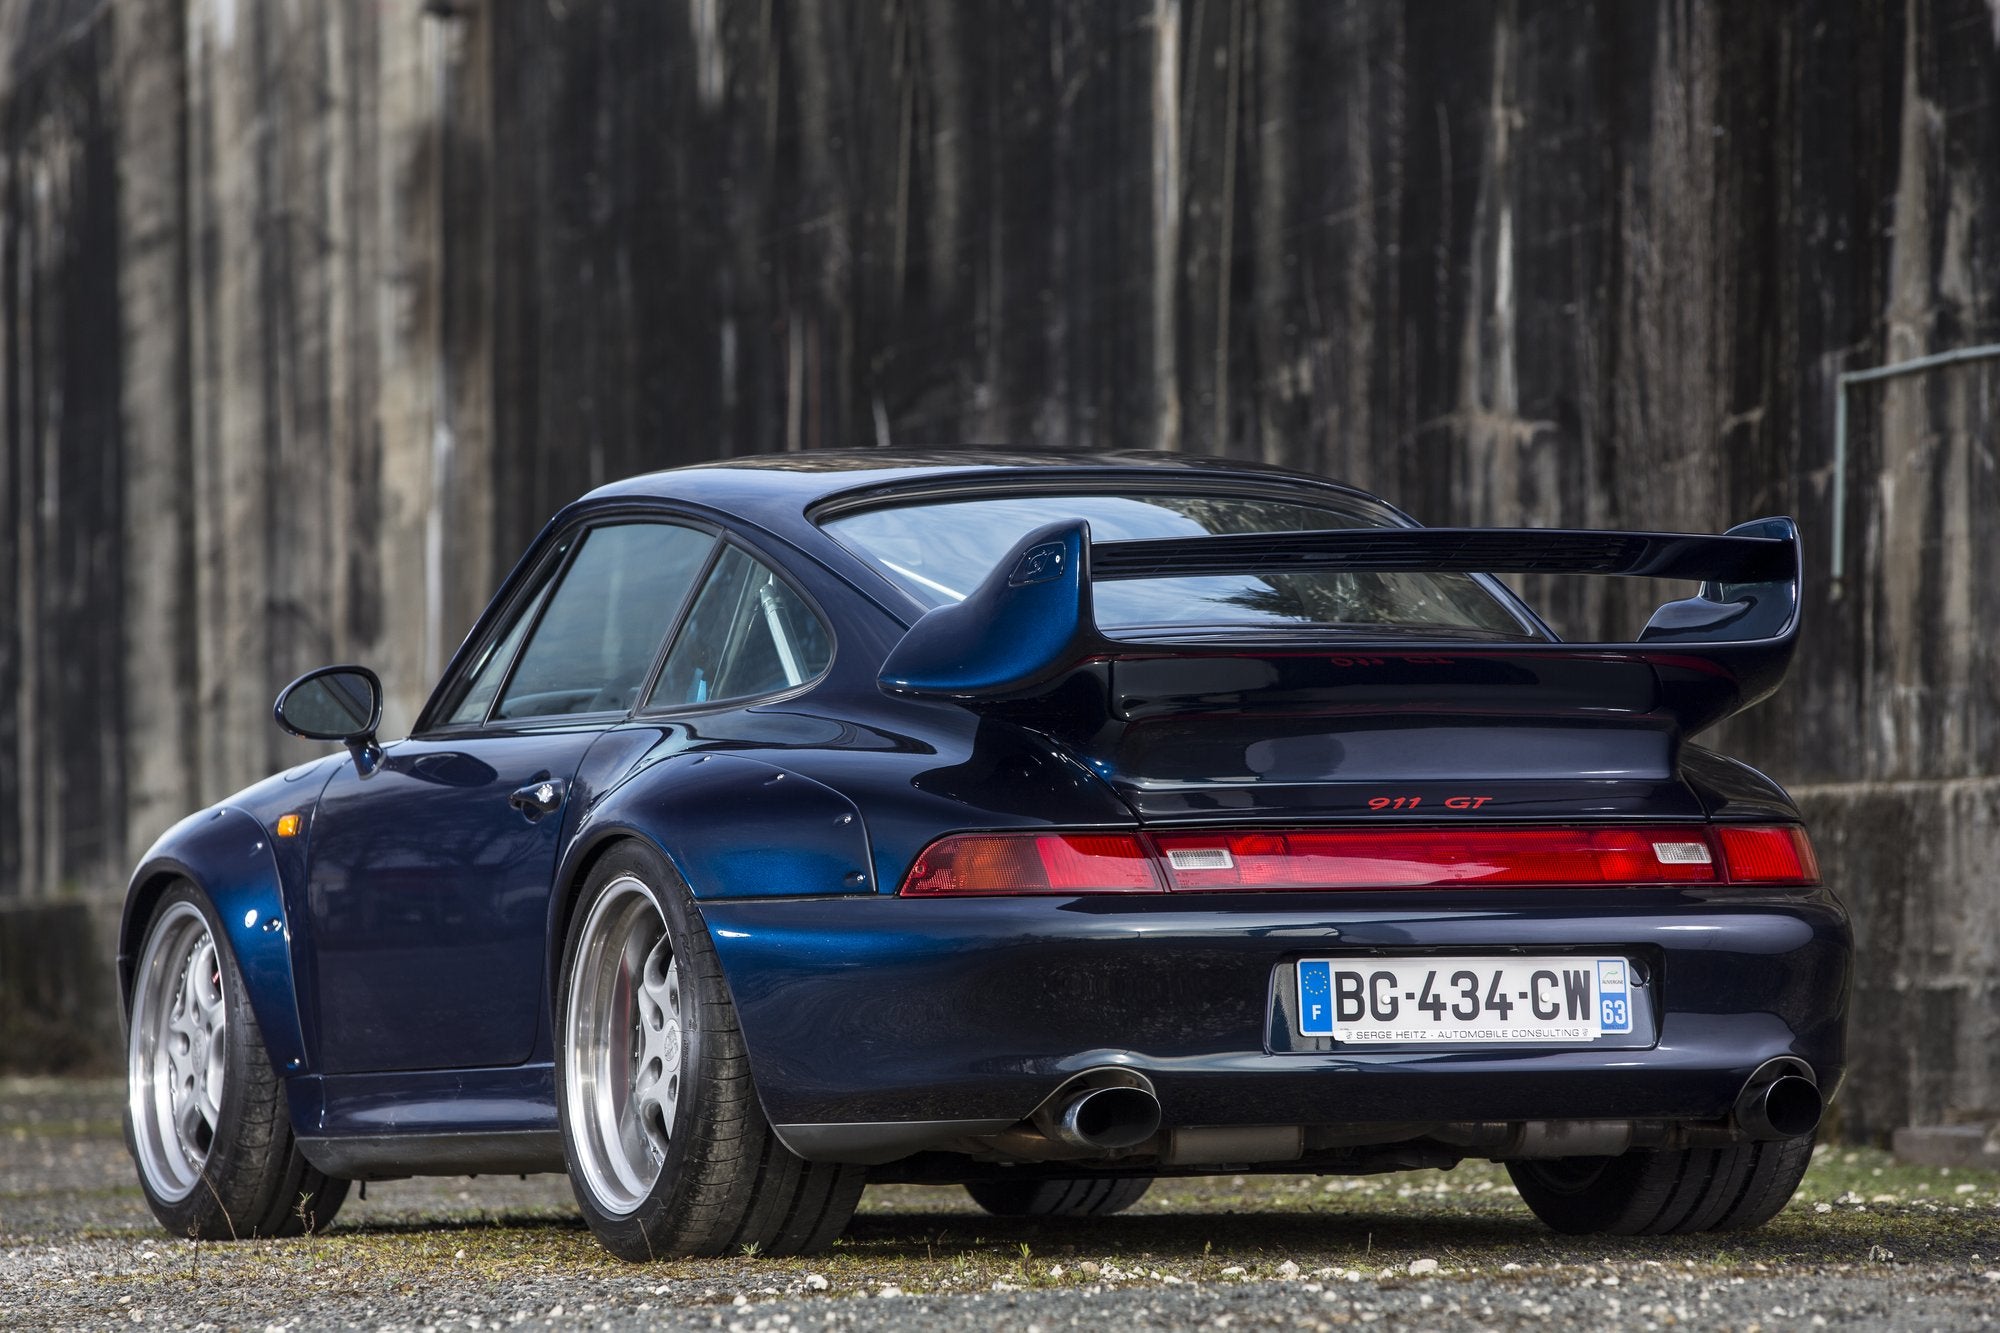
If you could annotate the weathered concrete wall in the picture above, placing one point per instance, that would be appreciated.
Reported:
(61, 603)
(1926, 1040)
(58, 1000)
(318, 468)
(312, 312)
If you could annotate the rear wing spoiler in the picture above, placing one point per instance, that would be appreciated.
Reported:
(1031, 622)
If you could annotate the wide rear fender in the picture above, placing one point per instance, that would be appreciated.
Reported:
(731, 827)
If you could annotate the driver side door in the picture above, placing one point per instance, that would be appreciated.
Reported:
(430, 876)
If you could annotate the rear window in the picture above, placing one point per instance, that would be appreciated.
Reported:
(939, 550)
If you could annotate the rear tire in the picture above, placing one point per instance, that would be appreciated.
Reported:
(1081, 1196)
(1664, 1193)
(206, 1120)
(669, 1153)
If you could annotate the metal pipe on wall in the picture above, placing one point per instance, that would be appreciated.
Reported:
(1914, 366)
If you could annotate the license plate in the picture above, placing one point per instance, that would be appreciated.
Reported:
(1399, 1000)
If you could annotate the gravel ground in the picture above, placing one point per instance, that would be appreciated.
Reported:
(1868, 1243)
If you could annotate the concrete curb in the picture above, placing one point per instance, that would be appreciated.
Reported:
(58, 989)
(1975, 1146)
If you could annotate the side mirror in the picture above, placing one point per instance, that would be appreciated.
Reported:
(336, 703)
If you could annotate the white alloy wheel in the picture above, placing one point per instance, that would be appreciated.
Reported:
(669, 1152)
(622, 1057)
(178, 1053)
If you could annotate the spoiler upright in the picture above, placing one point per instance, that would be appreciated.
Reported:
(1032, 620)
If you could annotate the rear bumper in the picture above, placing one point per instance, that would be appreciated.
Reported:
(961, 1016)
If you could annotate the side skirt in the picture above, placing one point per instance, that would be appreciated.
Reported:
(428, 1122)
(393, 1156)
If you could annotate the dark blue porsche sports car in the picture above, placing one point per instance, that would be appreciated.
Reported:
(1042, 824)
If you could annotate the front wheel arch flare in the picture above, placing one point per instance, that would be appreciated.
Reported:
(227, 855)
(141, 899)
(250, 1179)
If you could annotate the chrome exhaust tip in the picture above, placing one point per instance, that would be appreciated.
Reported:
(1106, 1119)
(1786, 1107)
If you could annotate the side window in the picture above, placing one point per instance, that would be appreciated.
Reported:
(491, 670)
(748, 634)
(595, 640)
(486, 682)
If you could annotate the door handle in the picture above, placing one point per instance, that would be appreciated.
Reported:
(541, 797)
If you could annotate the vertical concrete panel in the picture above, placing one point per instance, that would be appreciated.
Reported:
(161, 676)
(461, 130)
(313, 309)
(400, 334)
(231, 448)
(1168, 203)
(1347, 240)
(1904, 515)
(62, 595)
(297, 142)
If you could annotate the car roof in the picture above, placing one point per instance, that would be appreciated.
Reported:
(775, 491)
(779, 494)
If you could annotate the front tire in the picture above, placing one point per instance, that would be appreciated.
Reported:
(1668, 1193)
(1080, 1196)
(669, 1152)
(206, 1119)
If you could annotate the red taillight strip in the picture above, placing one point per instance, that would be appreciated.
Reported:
(1337, 859)
(1774, 854)
(1438, 858)
(1007, 863)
